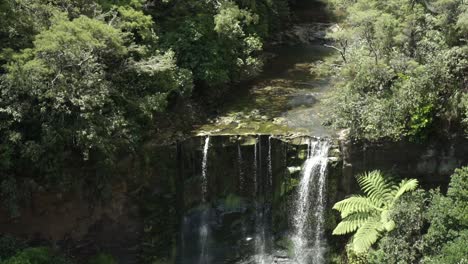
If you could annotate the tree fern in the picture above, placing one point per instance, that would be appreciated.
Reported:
(369, 216)
(351, 223)
(367, 235)
(375, 186)
(404, 186)
(355, 204)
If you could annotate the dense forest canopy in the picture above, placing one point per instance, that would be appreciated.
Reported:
(84, 83)
(402, 69)
(81, 81)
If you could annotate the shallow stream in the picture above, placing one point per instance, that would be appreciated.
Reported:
(285, 99)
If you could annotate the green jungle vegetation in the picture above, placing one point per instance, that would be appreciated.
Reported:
(84, 83)
(401, 68)
(400, 223)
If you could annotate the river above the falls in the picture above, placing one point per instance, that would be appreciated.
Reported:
(284, 99)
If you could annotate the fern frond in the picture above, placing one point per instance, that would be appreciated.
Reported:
(403, 187)
(351, 223)
(375, 186)
(389, 225)
(355, 204)
(369, 216)
(366, 235)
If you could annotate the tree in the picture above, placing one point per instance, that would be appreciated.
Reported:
(404, 244)
(220, 44)
(369, 216)
(448, 216)
(83, 94)
(403, 69)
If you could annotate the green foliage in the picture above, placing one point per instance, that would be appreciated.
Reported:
(411, 241)
(400, 69)
(448, 217)
(464, 106)
(9, 246)
(420, 120)
(369, 216)
(103, 259)
(403, 244)
(82, 82)
(219, 44)
(80, 86)
(46, 83)
(38, 255)
(454, 252)
(233, 202)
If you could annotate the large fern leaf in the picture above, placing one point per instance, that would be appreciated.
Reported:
(369, 216)
(355, 204)
(352, 223)
(367, 235)
(375, 186)
(403, 187)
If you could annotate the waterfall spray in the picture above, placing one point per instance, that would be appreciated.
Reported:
(204, 168)
(259, 208)
(319, 243)
(313, 175)
(203, 228)
(255, 169)
(240, 164)
(270, 165)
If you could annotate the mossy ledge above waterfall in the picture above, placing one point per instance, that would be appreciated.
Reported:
(285, 99)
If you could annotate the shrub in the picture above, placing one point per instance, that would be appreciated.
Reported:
(103, 258)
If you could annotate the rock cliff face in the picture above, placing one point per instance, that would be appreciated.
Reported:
(161, 199)
(78, 225)
(432, 163)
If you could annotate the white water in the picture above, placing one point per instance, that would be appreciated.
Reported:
(255, 169)
(240, 164)
(203, 229)
(259, 242)
(204, 168)
(313, 177)
(319, 240)
(270, 165)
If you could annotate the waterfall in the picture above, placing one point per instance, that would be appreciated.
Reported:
(203, 230)
(240, 163)
(270, 165)
(313, 179)
(255, 169)
(260, 167)
(204, 168)
(319, 243)
(260, 232)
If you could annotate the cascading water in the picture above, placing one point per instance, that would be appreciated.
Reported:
(203, 228)
(240, 164)
(313, 179)
(319, 241)
(270, 165)
(255, 169)
(259, 242)
(204, 168)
